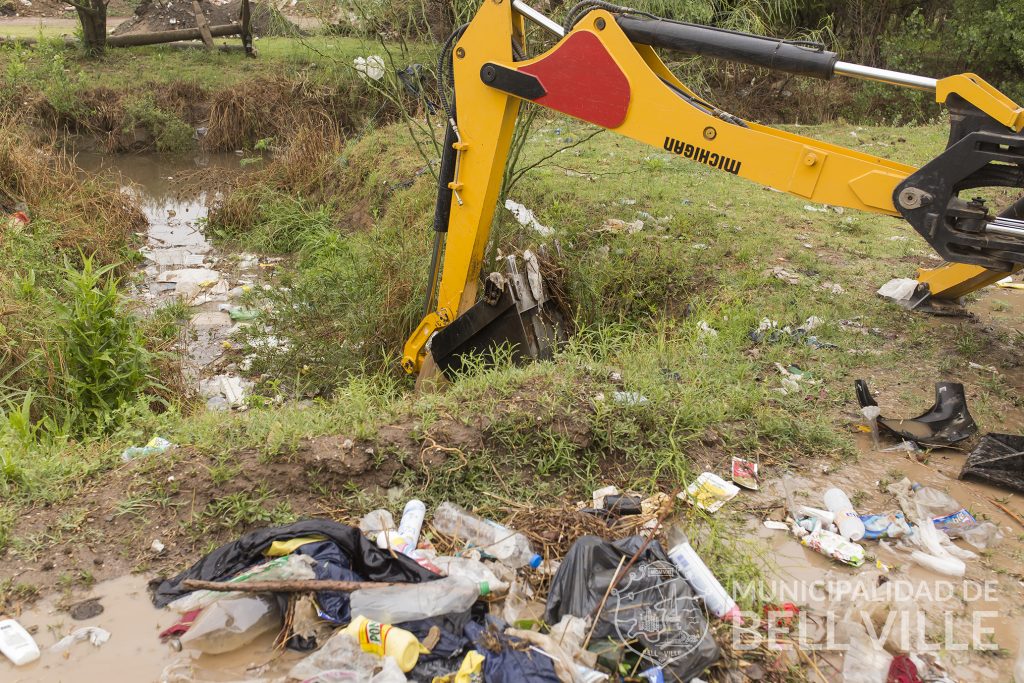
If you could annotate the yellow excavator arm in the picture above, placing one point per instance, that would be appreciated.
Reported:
(604, 70)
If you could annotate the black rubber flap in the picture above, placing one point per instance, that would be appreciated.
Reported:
(998, 459)
(947, 422)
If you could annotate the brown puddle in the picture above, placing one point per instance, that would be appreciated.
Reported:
(134, 651)
(975, 625)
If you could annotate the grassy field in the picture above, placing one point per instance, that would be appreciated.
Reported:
(334, 428)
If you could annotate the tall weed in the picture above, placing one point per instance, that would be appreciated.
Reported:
(104, 356)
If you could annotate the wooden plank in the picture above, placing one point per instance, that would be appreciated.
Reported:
(158, 37)
(202, 24)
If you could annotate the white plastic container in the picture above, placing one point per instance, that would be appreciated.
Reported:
(408, 531)
(701, 579)
(850, 525)
(409, 601)
(471, 569)
(509, 547)
(16, 643)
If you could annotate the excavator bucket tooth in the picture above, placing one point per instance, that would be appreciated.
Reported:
(515, 312)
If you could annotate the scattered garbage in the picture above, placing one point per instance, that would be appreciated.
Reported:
(629, 398)
(241, 314)
(709, 492)
(887, 525)
(780, 273)
(371, 67)
(224, 391)
(706, 329)
(997, 459)
(527, 218)
(154, 446)
(744, 473)
(16, 643)
(230, 623)
(834, 546)
(386, 641)
(94, 634)
(589, 584)
(947, 422)
(771, 332)
(849, 522)
(342, 659)
(157, 546)
(399, 603)
(899, 289)
(700, 578)
(489, 537)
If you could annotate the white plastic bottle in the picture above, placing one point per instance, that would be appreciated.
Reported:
(408, 532)
(405, 602)
(700, 578)
(16, 643)
(850, 525)
(509, 547)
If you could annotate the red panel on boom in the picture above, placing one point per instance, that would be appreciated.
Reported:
(582, 80)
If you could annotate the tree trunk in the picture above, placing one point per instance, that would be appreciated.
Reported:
(94, 25)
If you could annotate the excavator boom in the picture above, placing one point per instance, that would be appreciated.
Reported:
(604, 70)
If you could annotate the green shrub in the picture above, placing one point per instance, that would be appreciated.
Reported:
(103, 353)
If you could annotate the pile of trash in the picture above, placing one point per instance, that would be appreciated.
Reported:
(378, 603)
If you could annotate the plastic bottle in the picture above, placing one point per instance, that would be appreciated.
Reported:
(16, 643)
(405, 602)
(851, 527)
(509, 547)
(386, 641)
(700, 578)
(935, 503)
(408, 532)
(471, 569)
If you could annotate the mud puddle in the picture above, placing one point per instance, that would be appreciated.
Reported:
(973, 625)
(182, 265)
(134, 651)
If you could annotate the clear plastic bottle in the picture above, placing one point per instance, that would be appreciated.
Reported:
(405, 602)
(700, 577)
(508, 546)
(850, 525)
(935, 503)
(471, 569)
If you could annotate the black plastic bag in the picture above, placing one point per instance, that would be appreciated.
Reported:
(652, 608)
(998, 459)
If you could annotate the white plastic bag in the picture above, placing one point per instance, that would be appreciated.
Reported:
(341, 656)
(227, 625)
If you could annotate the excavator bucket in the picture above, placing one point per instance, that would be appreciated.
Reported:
(515, 312)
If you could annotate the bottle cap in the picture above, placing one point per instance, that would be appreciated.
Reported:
(734, 615)
(485, 588)
(535, 561)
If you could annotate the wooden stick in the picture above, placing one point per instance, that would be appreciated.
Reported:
(202, 24)
(1017, 518)
(286, 586)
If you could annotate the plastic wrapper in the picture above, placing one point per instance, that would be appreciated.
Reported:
(227, 625)
(956, 524)
(341, 659)
(834, 546)
(744, 473)
(984, 536)
(709, 492)
(675, 636)
(888, 525)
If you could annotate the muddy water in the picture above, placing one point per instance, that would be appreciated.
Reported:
(961, 621)
(134, 651)
(182, 264)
